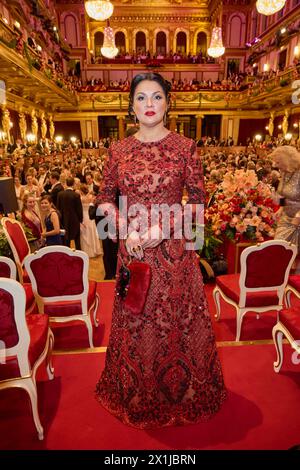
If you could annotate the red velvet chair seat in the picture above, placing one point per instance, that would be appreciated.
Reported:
(290, 318)
(29, 296)
(229, 284)
(38, 330)
(68, 308)
(294, 281)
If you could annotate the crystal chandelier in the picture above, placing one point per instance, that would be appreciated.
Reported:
(269, 7)
(216, 48)
(109, 48)
(99, 10)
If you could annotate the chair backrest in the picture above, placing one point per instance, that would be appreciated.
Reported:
(17, 241)
(266, 267)
(14, 334)
(7, 268)
(58, 273)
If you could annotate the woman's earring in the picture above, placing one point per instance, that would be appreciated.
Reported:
(135, 120)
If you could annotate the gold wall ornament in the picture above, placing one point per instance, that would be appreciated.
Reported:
(43, 126)
(271, 124)
(6, 122)
(51, 128)
(22, 125)
(34, 124)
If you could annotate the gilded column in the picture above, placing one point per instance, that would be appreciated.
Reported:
(51, 128)
(173, 123)
(6, 122)
(285, 122)
(43, 126)
(271, 123)
(22, 126)
(34, 125)
(199, 118)
(121, 127)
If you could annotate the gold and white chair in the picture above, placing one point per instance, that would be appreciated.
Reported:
(260, 286)
(59, 278)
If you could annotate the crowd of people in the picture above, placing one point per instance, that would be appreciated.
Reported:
(54, 193)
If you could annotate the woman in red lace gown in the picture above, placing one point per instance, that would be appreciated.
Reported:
(162, 366)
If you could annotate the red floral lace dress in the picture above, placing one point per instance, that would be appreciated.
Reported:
(162, 367)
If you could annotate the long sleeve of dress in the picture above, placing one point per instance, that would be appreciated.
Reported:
(109, 184)
(108, 191)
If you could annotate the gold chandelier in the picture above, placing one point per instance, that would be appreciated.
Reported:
(99, 10)
(269, 7)
(216, 48)
(109, 48)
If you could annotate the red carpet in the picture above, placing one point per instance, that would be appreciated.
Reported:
(262, 411)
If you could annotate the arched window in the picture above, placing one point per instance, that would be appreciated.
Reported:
(99, 38)
(235, 31)
(140, 42)
(161, 43)
(70, 30)
(181, 42)
(201, 43)
(120, 42)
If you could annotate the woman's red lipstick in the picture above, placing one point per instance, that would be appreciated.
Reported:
(150, 113)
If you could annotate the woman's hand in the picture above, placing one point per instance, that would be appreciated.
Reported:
(134, 246)
(152, 237)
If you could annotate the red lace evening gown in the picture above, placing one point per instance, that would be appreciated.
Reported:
(162, 367)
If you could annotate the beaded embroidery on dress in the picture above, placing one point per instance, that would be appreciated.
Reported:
(162, 367)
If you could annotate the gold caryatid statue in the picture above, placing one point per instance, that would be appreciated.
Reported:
(34, 124)
(271, 124)
(51, 128)
(43, 126)
(22, 126)
(6, 122)
(285, 122)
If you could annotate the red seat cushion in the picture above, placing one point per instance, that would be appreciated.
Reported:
(229, 284)
(29, 296)
(294, 281)
(68, 308)
(290, 318)
(4, 270)
(38, 331)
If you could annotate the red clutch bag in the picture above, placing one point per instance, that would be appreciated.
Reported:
(133, 285)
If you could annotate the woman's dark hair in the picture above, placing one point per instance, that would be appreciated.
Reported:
(49, 199)
(155, 77)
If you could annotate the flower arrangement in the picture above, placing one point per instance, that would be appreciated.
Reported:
(243, 208)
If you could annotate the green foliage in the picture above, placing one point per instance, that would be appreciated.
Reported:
(283, 82)
(28, 56)
(4, 246)
(48, 73)
(12, 44)
(210, 243)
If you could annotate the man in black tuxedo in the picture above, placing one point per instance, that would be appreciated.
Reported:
(56, 186)
(70, 206)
